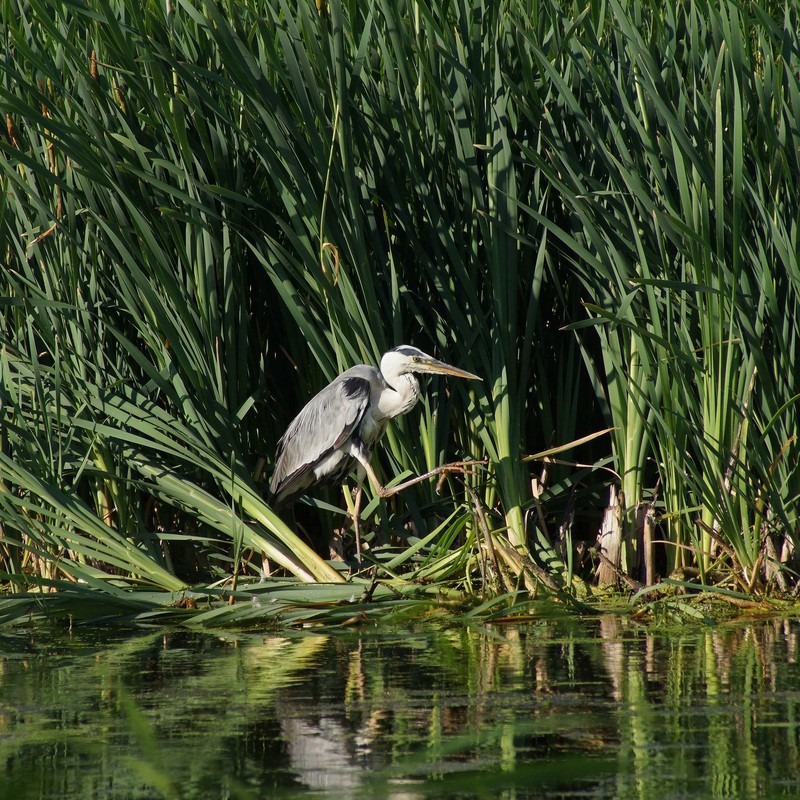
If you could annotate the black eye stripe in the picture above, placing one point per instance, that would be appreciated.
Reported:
(405, 350)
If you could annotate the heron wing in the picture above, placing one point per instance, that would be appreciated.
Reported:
(326, 424)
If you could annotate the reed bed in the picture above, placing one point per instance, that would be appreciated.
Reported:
(210, 208)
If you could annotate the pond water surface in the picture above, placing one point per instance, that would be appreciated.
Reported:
(594, 708)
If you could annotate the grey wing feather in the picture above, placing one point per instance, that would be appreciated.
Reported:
(323, 426)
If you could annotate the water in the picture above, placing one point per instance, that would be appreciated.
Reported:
(597, 708)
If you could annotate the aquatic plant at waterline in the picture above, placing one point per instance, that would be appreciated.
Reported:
(683, 233)
(211, 209)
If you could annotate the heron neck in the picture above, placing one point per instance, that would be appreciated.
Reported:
(400, 395)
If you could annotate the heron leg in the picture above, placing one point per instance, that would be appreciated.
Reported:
(382, 491)
(357, 517)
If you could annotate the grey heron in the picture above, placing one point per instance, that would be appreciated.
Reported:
(335, 432)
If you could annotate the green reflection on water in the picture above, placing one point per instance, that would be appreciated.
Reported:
(597, 708)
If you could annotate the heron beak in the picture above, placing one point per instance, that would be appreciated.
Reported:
(429, 364)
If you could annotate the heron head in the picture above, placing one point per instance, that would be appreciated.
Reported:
(405, 359)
